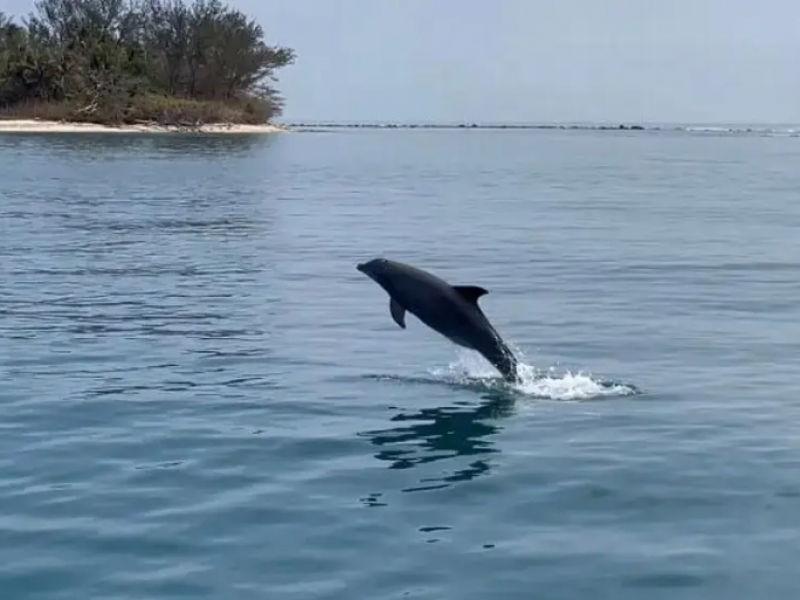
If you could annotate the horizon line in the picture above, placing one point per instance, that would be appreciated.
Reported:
(618, 125)
(481, 123)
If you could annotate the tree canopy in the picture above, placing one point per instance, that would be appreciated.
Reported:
(125, 61)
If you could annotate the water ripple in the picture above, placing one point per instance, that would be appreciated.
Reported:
(200, 396)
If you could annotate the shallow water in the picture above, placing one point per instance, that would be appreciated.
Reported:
(200, 397)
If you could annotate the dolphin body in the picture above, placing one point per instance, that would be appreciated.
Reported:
(451, 310)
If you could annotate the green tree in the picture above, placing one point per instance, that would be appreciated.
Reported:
(118, 61)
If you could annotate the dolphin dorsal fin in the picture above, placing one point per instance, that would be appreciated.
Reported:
(398, 313)
(471, 293)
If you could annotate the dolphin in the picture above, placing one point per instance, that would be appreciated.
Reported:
(451, 310)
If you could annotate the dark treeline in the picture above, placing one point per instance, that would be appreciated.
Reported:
(126, 61)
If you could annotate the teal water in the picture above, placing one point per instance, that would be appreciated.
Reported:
(200, 397)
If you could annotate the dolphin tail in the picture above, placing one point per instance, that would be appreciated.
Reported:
(504, 361)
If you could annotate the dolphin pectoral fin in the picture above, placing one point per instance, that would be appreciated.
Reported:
(398, 313)
(471, 293)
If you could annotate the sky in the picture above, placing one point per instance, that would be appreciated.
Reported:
(617, 61)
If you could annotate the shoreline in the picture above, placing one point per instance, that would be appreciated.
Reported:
(45, 126)
(13, 125)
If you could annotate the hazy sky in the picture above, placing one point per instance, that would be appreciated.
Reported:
(535, 60)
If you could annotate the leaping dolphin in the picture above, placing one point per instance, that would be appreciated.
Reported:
(451, 310)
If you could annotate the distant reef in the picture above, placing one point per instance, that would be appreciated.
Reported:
(791, 131)
(334, 125)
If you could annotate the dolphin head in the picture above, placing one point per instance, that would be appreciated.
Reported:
(381, 271)
(374, 269)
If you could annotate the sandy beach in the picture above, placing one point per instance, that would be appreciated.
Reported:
(37, 126)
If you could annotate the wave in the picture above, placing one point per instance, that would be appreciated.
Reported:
(471, 371)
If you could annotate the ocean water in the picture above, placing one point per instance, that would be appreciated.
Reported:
(200, 397)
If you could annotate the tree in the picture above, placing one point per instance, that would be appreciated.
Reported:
(124, 60)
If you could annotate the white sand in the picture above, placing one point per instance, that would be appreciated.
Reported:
(36, 126)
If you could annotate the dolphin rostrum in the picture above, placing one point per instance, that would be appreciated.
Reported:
(451, 310)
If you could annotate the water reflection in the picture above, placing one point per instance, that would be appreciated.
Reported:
(120, 146)
(448, 432)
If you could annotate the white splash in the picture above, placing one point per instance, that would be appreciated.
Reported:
(534, 382)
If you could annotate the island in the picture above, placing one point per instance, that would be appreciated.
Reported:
(138, 65)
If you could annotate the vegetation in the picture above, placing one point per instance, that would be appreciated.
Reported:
(133, 61)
